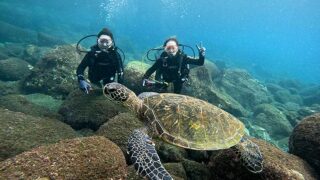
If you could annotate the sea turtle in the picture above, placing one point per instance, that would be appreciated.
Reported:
(182, 121)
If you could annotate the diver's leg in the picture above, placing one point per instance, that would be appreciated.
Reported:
(177, 87)
(158, 75)
(144, 156)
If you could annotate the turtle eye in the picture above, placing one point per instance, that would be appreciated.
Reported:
(111, 91)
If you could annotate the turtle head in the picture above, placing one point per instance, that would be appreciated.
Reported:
(120, 93)
(117, 92)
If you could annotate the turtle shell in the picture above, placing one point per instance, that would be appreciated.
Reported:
(191, 123)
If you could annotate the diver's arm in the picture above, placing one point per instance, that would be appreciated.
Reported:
(119, 63)
(119, 67)
(195, 61)
(82, 66)
(152, 69)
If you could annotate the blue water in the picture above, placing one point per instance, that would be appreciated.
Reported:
(269, 38)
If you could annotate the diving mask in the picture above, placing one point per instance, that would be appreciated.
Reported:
(171, 48)
(105, 42)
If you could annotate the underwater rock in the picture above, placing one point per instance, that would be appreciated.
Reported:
(91, 110)
(44, 100)
(277, 165)
(80, 158)
(3, 55)
(14, 49)
(86, 132)
(196, 170)
(273, 120)
(291, 111)
(215, 73)
(285, 96)
(201, 86)
(28, 52)
(55, 73)
(305, 141)
(273, 88)
(258, 132)
(311, 95)
(119, 128)
(13, 69)
(199, 156)
(20, 132)
(48, 40)
(176, 170)
(15, 34)
(133, 76)
(290, 84)
(132, 173)
(32, 53)
(20, 103)
(248, 91)
(9, 87)
(11, 33)
(282, 95)
(168, 152)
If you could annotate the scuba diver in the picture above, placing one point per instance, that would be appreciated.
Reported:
(103, 61)
(172, 67)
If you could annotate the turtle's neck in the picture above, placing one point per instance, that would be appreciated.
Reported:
(133, 103)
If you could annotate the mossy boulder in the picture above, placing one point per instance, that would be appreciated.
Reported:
(81, 158)
(277, 165)
(9, 87)
(12, 33)
(45, 100)
(196, 171)
(3, 55)
(202, 86)
(168, 152)
(20, 132)
(133, 76)
(305, 140)
(48, 40)
(32, 53)
(240, 85)
(14, 69)
(285, 96)
(311, 95)
(92, 110)
(273, 120)
(55, 73)
(119, 128)
(20, 103)
(13, 49)
(178, 172)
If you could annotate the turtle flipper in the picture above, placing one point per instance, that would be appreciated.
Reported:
(145, 158)
(250, 155)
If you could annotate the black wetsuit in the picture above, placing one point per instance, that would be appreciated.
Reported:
(173, 69)
(102, 65)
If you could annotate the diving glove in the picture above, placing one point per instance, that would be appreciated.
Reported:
(84, 86)
(201, 49)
